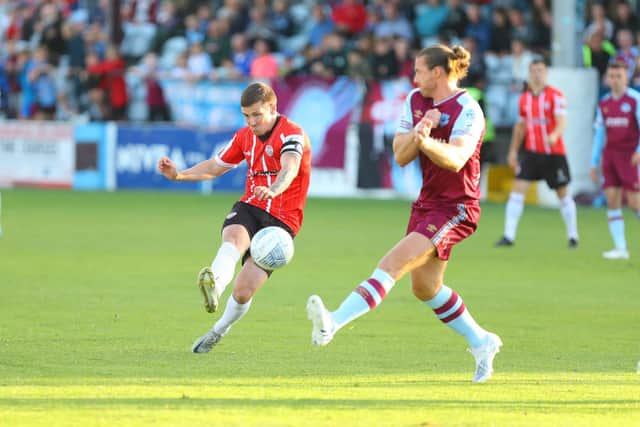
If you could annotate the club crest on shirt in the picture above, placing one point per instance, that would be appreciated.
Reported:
(444, 119)
(269, 150)
(625, 107)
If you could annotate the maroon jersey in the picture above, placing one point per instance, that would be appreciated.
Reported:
(263, 159)
(620, 119)
(461, 116)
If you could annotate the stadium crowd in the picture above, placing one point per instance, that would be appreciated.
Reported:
(59, 59)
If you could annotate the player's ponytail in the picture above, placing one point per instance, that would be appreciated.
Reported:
(459, 62)
(455, 61)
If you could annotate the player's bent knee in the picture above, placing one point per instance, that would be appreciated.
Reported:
(425, 291)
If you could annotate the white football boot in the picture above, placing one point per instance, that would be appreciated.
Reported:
(208, 289)
(323, 327)
(616, 254)
(484, 355)
(206, 342)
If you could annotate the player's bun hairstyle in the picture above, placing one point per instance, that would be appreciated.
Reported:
(257, 92)
(454, 60)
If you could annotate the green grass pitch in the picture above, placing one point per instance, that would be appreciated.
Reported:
(99, 308)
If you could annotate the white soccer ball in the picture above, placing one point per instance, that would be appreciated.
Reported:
(272, 248)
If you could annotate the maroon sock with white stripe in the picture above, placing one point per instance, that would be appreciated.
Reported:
(450, 309)
(364, 298)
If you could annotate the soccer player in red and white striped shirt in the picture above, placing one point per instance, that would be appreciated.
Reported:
(278, 154)
(540, 124)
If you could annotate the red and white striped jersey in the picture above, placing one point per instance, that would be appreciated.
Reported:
(263, 160)
(538, 113)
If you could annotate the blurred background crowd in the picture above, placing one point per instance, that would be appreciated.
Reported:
(71, 60)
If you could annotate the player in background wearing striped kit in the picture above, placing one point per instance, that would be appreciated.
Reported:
(278, 155)
(442, 126)
(616, 147)
(541, 121)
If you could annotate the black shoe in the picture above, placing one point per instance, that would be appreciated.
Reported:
(504, 242)
(573, 243)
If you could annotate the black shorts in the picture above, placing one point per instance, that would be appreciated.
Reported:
(553, 168)
(253, 219)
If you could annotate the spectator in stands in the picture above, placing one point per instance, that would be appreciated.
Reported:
(180, 70)
(358, 66)
(521, 58)
(333, 58)
(259, 25)
(217, 43)
(110, 73)
(597, 53)
(241, 55)
(280, 19)
(627, 52)
(40, 75)
(350, 17)
(476, 72)
(500, 42)
(599, 22)
(321, 26)
(264, 65)
(393, 24)
(519, 28)
(404, 57)
(192, 30)
(157, 107)
(236, 14)
(198, 63)
(430, 16)
(541, 21)
(456, 23)
(384, 63)
(478, 28)
(48, 31)
(168, 25)
(76, 52)
(4, 91)
(624, 19)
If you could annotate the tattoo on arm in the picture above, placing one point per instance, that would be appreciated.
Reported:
(284, 178)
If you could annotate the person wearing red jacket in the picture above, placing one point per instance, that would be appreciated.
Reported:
(111, 80)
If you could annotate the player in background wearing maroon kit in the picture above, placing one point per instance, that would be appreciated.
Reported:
(278, 154)
(541, 121)
(442, 126)
(617, 133)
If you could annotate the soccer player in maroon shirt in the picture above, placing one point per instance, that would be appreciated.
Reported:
(541, 121)
(442, 126)
(617, 134)
(278, 154)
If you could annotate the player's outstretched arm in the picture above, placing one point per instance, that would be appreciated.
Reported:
(290, 164)
(207, 169)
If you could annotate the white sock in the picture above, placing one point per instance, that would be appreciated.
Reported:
(232, 313)
(616, 228)
(223, 266)
(450, 309)
(514, 209)
(568, 211)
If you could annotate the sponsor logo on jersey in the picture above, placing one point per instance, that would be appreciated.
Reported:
(616, 122)
(231, 215)
(417, 114)
(432, 228)
(265, 173)
(269, 150)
